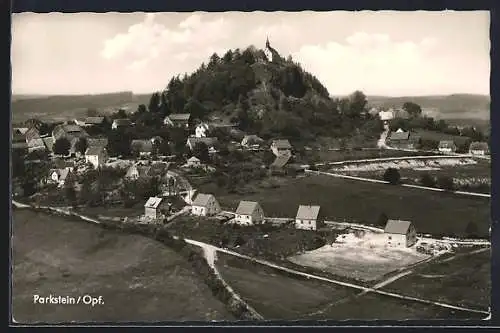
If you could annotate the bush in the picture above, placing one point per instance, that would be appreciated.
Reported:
(445, 183)
(382, 220)
(392, 176)
(427, 180)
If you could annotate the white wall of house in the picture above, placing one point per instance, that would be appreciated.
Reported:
(446, 150)
(396, 240)
(477, 152)
(150, 212)
(305, 224)
(212, 208)
(199, 210)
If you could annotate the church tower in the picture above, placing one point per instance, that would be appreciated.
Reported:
(267, 51)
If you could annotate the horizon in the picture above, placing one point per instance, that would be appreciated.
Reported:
(380, 53)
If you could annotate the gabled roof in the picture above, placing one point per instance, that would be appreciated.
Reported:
(48, 142)
(179, 116)
(36, 143)
(399, 136)
(153, 202)
(282, 144)
(210, 142)
(103, 142)
(94, 120)
(72, 128)
(246, 207)
(122, 122)
(252, 139)
(308, 212)
(203, 199)
(21, 130)
(397, 227)
(61, 173)
(143, 146)
(32, 134)
(95, 150)
(479, 146)
(281, 161)
(193, 159)
(446, 144)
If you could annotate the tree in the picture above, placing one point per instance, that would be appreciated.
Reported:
(81, 145)
(61, 146)
(471, 229)
(200, 150)
(392, 176)
(154, 103)
(445, 182)
(70, 193)
(427, 180)
(357, 103)
(413, 109)
(141, 108)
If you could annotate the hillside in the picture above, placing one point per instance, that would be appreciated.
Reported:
(456, 106)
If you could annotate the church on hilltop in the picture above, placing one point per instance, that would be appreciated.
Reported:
(271, 54)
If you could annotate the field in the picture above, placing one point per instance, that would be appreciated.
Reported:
(116, 210)
(279, 296)
(366, 258)
(346, 155)
(432, 212)
(138, 278)
(464, 280)
(438, 136)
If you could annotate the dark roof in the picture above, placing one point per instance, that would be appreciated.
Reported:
(282, 144)
(122, 122)
(143, 146)
(399, 136)
(153, 202)
(179, 117)
(32, 134)
(446, 144)
(94, 120)
(281, 161)
(202, 199)
(308, 212)
(397, 227)
(246, 207)
(210, 142)
(94, 150)
(479, 146)
(72, 128)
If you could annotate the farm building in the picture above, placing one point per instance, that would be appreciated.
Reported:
(479, 148)
(96, 156)
(156, 207)
(307, 218)
(141, 147)
(193, 162)
(277, 167)
(281, 147)
(177, 120)
(34, 141)
(386, 116)
(447, 146)
(251, 141)
(404, 140)
(69, 132)
(205, 205)
(210, 142)
(248, 213)
(121, 123)
(400, 233)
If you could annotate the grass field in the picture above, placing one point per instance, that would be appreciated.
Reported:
(432, 212)
(112, 211)
(348, 155)
(274, 295)
(438, 136)
(279, 296)
(138, 278)
(464, 281)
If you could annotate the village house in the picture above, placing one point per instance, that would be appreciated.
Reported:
(177, 120)
(308, 218)
(281, 147)
(249, 213)
(278, 165)
(403, 140)
(121, 123)
(97, 156)
(205, 205)
(141, 147)
(156, 208)
(94, 121)
(69, 132)
(60, 176)
(447, 146)
(34, 141)
(48, 142)
(251, 141)
(479, 148)
(386, 116)
(193, 162)
(135, 172)
(210, 142)
(400, 233)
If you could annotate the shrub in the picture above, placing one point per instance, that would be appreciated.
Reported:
(445, 183)
(392, 176)
(427, 180)
(382, 220)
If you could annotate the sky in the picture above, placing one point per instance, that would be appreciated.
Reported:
(380, 53)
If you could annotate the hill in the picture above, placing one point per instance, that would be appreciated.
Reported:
(63, 107)
(455, 106)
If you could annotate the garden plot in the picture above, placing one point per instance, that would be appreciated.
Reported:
(361, 257)
(433, 164)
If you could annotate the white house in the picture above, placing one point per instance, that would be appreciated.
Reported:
(386, 116)
(156, 207)
(121, 123)
(251, 141)
(248, 213)
(479, 148)
(201, 131)
(205, 205)
(177, 120)
(400, 233)
(447, 146)
(307, 218)
(281, 147)
(193, 162)
(59, 176)
(96, 155)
